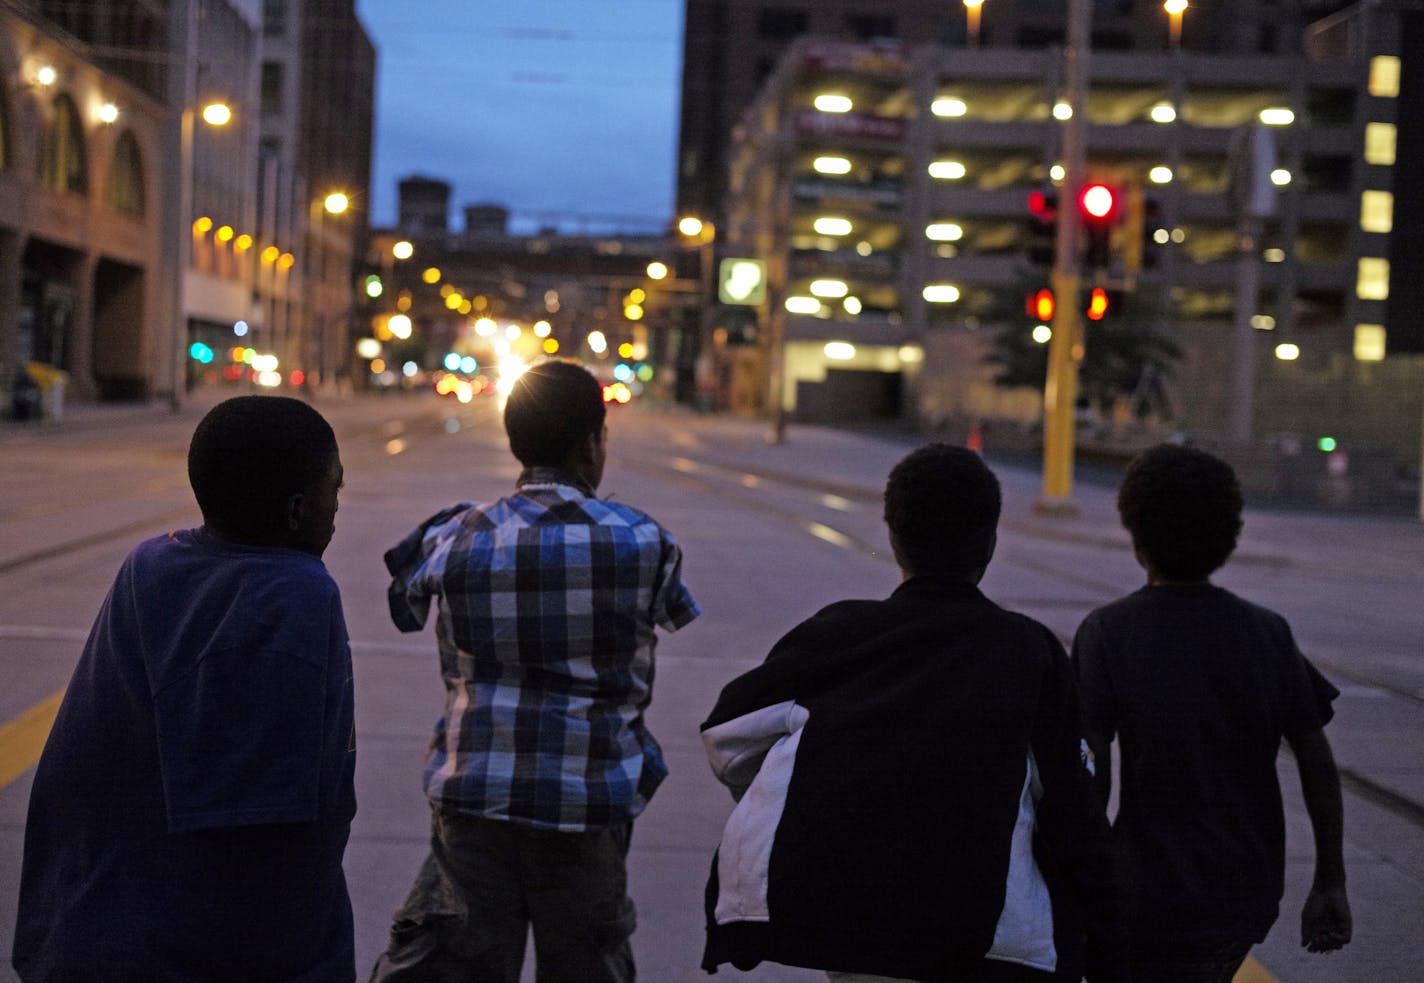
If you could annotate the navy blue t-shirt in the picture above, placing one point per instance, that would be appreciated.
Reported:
(1199, 686)
(193, 801)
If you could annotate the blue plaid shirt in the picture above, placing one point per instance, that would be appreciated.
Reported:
(547, 603)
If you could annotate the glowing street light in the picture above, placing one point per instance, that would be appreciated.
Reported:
(336, 203)
(217, 114)
(972, 10)
(1175, 9)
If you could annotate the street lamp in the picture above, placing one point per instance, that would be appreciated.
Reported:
(972, 10)
(1175, 9)
(180, 235)
(704, 235)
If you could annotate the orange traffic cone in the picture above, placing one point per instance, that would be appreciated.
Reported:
(976, 439)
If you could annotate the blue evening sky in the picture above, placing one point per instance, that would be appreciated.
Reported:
(557, 109)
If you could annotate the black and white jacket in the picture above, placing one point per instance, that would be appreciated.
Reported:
(912, 798)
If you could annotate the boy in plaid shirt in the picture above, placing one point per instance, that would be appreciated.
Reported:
(547, 602)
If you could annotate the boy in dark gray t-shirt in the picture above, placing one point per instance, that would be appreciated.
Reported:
(1200, 686)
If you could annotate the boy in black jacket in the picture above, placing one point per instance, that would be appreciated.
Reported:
(1200, 686)
(912, 799)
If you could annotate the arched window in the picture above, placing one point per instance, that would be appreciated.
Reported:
(124, 191)
(62, 160)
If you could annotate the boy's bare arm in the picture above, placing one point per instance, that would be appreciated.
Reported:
(1325, 922)
(1101, 747)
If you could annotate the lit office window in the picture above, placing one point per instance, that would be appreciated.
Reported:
(1379, 143)
(1377, 211)
(1369, 342)
(1384, 76)
(1372, 280)
(949, 106)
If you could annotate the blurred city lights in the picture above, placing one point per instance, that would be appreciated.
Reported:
(108, 113)
(1042, 334)
(485, 327)
(217, 114)
(839, 351)
(829, 288)
(431, 275)
(336, 203)
(400, 326)
(551, 346)
(239, 328)
(368, 348)
(403, 250)
(829, 225)
(657, 271)
(1277, 116)
(803, 305)
(597, 343)
(831, 165)
(1327, 444)
(409, 369)
(1287, 352)
(542, 329)
(1163, 112)
(947, 170)
(949, 107)
(944, 232)
(941, 293)
(690, 226)
(452, 361)
(833, 103)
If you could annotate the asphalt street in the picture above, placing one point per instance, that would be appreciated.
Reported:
(771, 533)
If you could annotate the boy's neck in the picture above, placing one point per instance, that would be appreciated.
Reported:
(1155, 579)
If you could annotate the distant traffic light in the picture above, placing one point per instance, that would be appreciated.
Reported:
(374, 286)
(1040, 305)
(1043, 226)
(1100, 210)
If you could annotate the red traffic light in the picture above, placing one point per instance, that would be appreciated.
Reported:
(1098, 203)
(1042, 206)
(1097, 304)
(1040, 305)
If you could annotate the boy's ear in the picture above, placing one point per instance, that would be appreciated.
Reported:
(293, 517)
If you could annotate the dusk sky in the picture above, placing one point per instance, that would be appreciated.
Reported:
(554, 108)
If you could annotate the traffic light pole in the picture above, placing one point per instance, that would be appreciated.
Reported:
(1060, 393)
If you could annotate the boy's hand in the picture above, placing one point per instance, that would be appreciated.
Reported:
(1325, 923)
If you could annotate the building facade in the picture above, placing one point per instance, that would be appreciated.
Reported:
(144, 237)
(81, 168)
(886, 189)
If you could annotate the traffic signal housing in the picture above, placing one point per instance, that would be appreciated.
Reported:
(1100, 209)
(1043, 227)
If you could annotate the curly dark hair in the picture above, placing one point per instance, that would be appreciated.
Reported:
(553, 406)
(249, 455)
(942, 506)
(1182, 507)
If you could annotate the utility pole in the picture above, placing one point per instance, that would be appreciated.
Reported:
(1060, 393)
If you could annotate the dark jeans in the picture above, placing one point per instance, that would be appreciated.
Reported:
(486, 882)
(1208, 964)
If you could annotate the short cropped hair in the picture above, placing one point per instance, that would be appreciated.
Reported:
(1182, 507)
(249, 455)
(552, 407)
(942, 505)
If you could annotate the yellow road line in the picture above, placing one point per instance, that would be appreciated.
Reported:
(22, 739)
(1253, 972)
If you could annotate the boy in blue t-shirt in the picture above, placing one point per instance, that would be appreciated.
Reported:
(1200, 687)
(192, 804)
